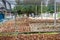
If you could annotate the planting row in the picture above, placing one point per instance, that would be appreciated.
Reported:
(27, 25)
(32, 37)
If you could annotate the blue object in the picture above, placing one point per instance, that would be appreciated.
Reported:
(1, 16)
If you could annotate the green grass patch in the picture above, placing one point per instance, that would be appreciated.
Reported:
(51, 33)
(16, 33)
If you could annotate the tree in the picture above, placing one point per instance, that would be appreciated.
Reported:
(28, 9)
(51, 8)
(4, 2)
(25, 9)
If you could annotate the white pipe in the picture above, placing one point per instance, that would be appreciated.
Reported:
(55, 12)
(41, 8)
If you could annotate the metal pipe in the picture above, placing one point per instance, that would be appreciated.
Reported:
(41, 8)
(54, 12)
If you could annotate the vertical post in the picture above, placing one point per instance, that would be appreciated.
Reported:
(15, 19)
(41, 9)
(54, 12)
(36, 10)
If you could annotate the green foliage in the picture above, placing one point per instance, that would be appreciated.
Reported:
(25, 8)
(39, 9)
(45, 9)
(32, 8)
(52, 11)
(51, 8)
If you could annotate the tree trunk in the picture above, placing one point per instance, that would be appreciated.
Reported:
(4, 2)
(27, 14)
